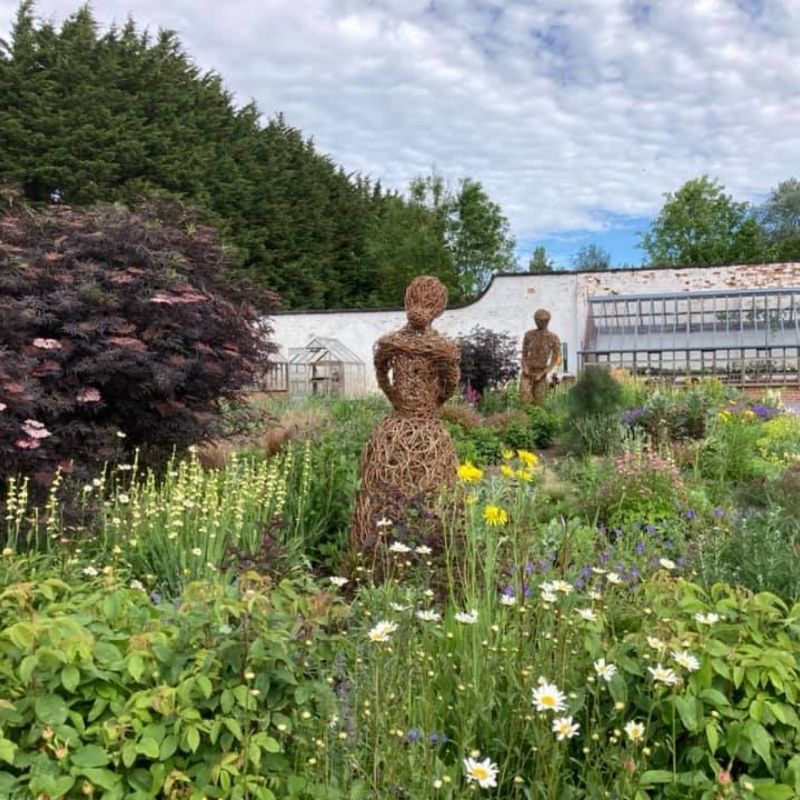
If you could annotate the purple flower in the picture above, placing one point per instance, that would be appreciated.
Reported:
(438, 738)
(650, 529)
(580, 583)
(635, 574)
(155, 597)
(690, 514)
(640, 548)
(414, 735)
(604, 556)
(529, 568)
(719, 512)
(508, 591)
(668, 544)
(586, 572)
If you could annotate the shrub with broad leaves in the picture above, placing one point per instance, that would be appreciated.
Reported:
(120, 329)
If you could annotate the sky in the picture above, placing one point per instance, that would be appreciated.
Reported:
(575, 115)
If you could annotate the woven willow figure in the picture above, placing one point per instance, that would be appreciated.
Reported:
(541, 352)
(409, 453)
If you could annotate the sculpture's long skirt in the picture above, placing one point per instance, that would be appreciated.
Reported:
(404, 458)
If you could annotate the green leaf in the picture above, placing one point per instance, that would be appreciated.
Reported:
(7, 750)
(775, 792)
(168, 748)
(655, 776)
(51, 709)
(204, 685)
(27, 666)
(129, 754)
(712, 735)
(148, 747)
(22, 635)
(687, 710)
(234, 727)
(104, 778)
(193, 739)
(70, 677)
(90, 755)
(760, 739)
(271, 745)
(136, 666)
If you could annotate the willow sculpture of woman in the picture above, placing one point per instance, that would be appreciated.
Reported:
(410, 454)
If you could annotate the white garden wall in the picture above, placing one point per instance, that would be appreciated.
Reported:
(508, 304)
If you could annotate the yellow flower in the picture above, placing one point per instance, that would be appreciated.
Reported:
(529, 459)
(508, 455)
(724, 416)
(507, 471)
(525, 474)
(749, 414)
(494, 515)
(469, 473)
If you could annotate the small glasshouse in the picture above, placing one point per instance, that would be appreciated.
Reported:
(326, 368)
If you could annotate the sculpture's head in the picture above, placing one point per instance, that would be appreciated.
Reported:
(542, 318)
(426, 298)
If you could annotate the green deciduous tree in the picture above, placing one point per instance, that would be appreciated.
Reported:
(473, 228)
(539, 261)
(780, 220)
(591, 257)
(700, 224)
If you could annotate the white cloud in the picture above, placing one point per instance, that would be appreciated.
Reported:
(570, 113)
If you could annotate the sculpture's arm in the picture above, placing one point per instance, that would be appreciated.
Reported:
(382, 359)
(449, 373)
(555, 354)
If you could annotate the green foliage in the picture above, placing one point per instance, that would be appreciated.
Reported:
(760, 553)
(780, 219)
(700, 224)
(779, 439)
(595, 392)
(105, 692)
(591, 257)
(639, 486)
(539, 260)
(89, 116)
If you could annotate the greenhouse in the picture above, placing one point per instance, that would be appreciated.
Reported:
(744, 337)
(326, 368)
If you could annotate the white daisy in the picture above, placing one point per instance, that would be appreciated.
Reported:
(706, 619)
(548, 697)
(565, 728)
(508, 600)
(562, 586)
(398, 607)
(587, 614)
(612, 577)
(382, 631)
(655, 643)
(423, 550)
(484, 773)
(634, 731)
(90, 571)
(399, 547)
(667, 563)
(686, 660)
(467, 618)
(663, 675)
(429, 615)
(605, 671)
(338, 580)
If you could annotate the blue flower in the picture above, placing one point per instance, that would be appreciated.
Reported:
(438, 738)
(414, 735)
(640, 548)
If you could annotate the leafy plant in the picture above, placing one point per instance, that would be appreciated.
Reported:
(117, 324)
(488, 359)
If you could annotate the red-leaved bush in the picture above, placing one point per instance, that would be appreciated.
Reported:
(118, 329)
